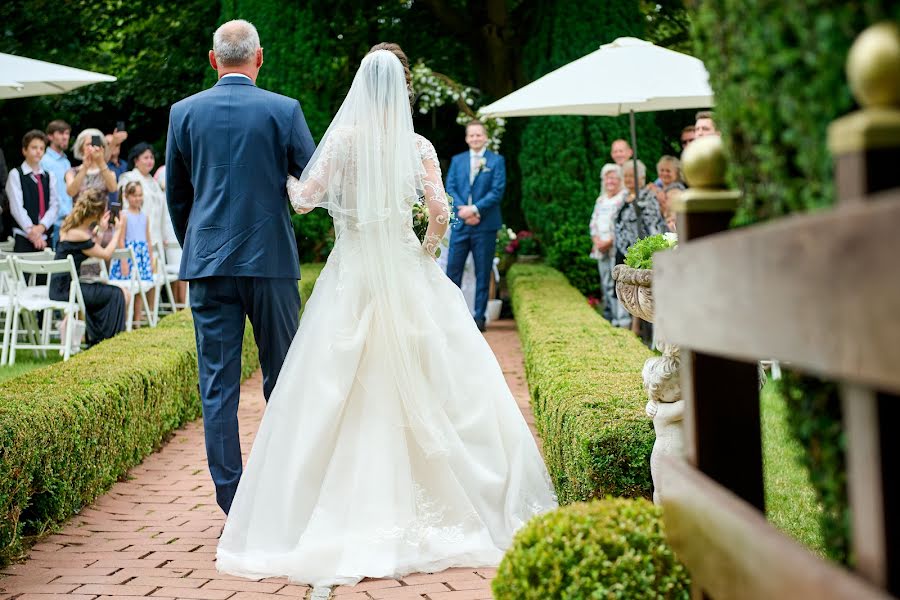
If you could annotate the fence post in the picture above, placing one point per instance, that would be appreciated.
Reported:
(722, 426)
(866, 150)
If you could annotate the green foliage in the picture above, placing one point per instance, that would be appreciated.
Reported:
(561, 157)
(586, 389)
(70, 430)
(778, 74)
(640, 254)
(613, 548)
(814, 416)
(156, 50)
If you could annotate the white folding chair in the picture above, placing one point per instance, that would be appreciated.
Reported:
(31, 300)
(133, 284)
(8, 245)
(172, 269)
(163, 271)
(7, 299)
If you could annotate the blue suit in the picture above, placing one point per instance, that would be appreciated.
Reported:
(484, 192)
(228, 153)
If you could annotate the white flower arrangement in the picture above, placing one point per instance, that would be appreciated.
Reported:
(436, 90)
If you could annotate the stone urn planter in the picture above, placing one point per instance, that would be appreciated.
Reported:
(634, 287)
(635, 291)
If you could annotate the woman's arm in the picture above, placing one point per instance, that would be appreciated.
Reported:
(74, 181)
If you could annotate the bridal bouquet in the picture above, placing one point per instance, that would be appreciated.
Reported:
(420, 219)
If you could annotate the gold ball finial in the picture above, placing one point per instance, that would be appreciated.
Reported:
(703, 163)
(873, 66)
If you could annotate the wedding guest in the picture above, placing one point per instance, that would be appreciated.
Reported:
(669, 170)
(93, 173)
(620, 151)
(57, 162)
(160, 177)
(606, 206)
(105, 304)
(476, 181)
(6, 222)
(687, 136)
(705, 124)
(33, 196)
(639, 199)
(143, 158)
(137, 237)
(116, 163)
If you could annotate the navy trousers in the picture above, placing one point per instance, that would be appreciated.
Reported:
(220, 306)
(482, 245)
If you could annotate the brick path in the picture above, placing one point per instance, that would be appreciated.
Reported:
(155, 534)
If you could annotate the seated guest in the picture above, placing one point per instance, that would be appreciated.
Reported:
(625, 223)
(669, 170)
(33, 197)
(607, 205)
(105, 304)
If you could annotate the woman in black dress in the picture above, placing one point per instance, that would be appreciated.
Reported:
(105, 304)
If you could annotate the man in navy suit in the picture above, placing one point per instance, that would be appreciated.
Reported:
(476, 181)
(229, 151)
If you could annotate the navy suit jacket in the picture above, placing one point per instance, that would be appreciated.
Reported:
(228, 154)
(486, 190)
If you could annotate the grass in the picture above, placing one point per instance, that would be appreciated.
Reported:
(791, 503)
(25, 362)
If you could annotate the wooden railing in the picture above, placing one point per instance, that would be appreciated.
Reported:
(820, 292)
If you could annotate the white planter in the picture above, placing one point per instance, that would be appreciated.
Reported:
(493, 310)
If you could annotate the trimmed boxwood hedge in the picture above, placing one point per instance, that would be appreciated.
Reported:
(611, 548)
(586, 389)
(70, 430)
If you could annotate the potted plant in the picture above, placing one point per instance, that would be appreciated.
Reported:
(634, 279)
(525, 247)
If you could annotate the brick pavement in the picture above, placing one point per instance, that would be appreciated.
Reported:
(154, 535)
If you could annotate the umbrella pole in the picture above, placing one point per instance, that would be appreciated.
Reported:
(642, 231)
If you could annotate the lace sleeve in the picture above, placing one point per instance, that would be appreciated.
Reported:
(322, 173)
(435, 198)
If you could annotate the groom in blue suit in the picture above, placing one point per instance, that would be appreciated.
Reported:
(228, 154)
(476, 181)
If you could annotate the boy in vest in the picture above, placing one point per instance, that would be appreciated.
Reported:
(33, 196)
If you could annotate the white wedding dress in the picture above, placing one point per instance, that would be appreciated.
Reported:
(391, 443)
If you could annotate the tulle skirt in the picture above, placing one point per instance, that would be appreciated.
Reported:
(391, 443)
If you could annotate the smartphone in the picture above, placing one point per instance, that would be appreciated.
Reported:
(96, 140)
(114, 207)
(120, 125)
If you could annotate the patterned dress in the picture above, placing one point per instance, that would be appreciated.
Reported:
(136, 238)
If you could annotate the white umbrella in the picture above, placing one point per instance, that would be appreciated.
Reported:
(22, 77)
(624, 76)
(628, 75)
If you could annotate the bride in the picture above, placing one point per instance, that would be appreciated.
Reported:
(391, 443)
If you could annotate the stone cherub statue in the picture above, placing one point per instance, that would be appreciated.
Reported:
(663, 386)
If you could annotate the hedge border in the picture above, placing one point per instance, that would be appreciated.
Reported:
(586, 389)
(70, 430)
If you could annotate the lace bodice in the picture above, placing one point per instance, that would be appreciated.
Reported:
(337, 159)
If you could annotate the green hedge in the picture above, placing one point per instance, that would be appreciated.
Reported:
(586, 389)
(70, 430)
(611, 548)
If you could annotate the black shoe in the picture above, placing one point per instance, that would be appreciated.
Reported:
(481, 325)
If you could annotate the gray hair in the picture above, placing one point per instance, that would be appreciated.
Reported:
(235, 43)
(641, 168)
(611, 168)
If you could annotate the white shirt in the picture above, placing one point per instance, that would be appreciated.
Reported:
(474, 158)
(236, 75)
(17, 201)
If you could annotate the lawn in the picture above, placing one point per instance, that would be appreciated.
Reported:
(26, 361)
(791, 503)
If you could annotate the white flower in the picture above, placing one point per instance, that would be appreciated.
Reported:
(511, 233)
(671, 238)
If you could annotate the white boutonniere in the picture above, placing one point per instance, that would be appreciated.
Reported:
(481, 167)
